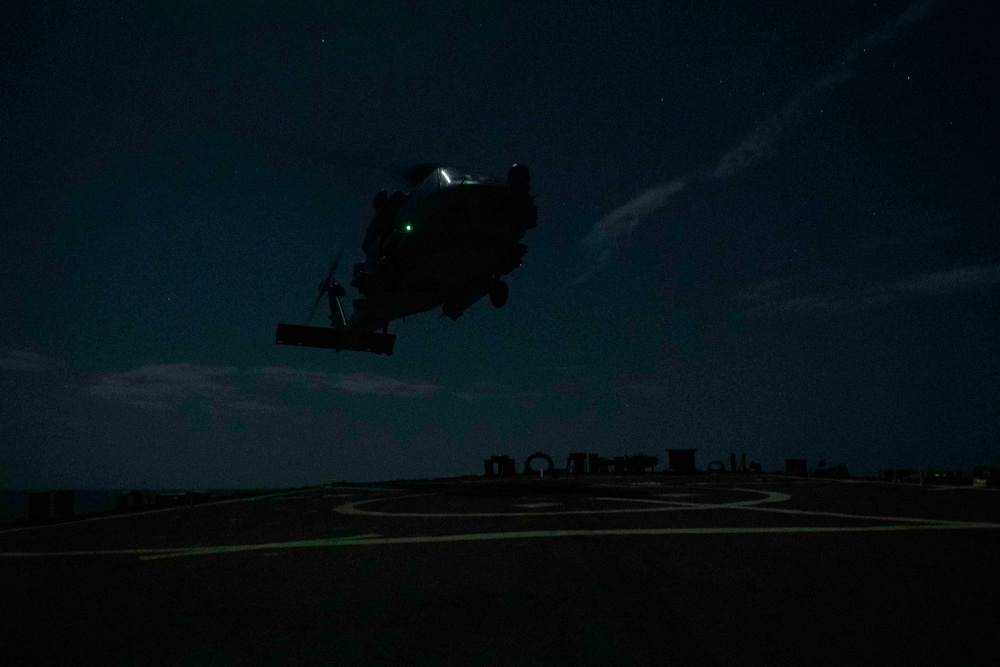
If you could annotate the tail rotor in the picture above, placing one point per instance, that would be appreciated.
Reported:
(334, 291)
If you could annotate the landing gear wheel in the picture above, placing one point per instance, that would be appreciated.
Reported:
(499, 291)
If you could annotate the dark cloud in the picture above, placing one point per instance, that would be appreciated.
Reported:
(782, 296)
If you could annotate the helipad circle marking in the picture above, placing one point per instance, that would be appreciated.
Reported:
(352, 508)
(374, 539)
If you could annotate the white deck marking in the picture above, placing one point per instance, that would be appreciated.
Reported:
(661, 506)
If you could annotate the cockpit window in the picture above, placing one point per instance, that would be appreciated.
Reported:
(444, 178)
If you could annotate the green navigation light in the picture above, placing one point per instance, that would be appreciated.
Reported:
(409, 228)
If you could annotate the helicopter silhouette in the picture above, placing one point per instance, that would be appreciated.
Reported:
(447, 243)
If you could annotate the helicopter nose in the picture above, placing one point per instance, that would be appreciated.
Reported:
(519, 177)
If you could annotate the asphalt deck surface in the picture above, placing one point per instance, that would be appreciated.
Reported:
(700, 570)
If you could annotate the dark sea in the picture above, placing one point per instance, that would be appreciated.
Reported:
(14, 504)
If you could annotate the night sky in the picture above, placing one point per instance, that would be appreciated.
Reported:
(764, 227)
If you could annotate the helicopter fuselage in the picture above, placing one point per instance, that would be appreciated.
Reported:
(452, 239)
(447, 244)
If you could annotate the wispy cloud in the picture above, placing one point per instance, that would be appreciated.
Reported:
(283, 375)
(170, 385)
(491, 391)
(780, 296)
(604, 237)
(752, 149)
(372, 384)
(384, 385)
(364, 384)
(946, 282)
(483, 391)
(759, 144)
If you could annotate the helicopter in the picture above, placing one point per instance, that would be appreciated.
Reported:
(447, 243)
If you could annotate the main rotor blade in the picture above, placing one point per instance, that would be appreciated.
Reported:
(333, 267)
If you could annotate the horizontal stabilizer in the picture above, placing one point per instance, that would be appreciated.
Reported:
(334, 339)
